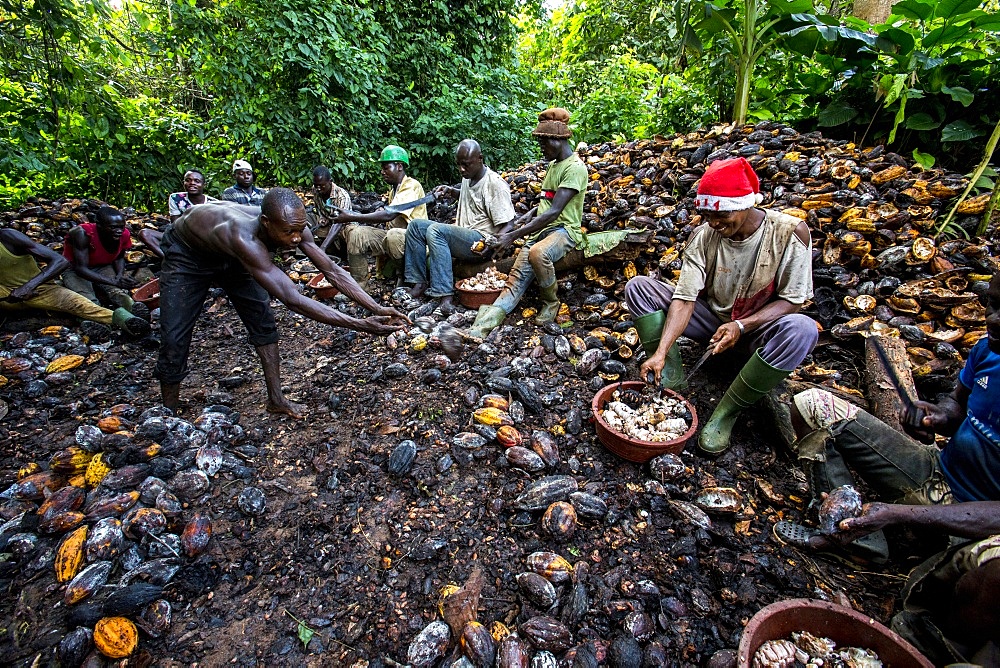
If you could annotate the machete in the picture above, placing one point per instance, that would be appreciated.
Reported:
(406, 206)
(916, 413)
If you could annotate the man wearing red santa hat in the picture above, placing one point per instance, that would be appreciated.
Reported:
(744, 277)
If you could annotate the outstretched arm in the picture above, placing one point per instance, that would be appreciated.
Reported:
(373, 218)
(255, 257)
(21, 244)
(974, 519)
(342, 280)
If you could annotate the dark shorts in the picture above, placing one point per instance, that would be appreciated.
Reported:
(185, 279)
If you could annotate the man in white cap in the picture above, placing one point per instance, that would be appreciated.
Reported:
(243, 191)
(745, 276)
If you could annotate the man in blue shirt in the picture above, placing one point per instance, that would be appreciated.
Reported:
(951, 599)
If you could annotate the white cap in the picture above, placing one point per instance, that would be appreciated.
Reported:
(241, 164)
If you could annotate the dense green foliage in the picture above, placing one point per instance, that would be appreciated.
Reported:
(116, 101)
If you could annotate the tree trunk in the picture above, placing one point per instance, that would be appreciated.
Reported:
(873, 11)
(883, 400)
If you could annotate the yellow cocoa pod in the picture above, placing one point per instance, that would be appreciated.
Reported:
(71, 461)
(974, 205)
(888, 174)
(630, 272)
(115, 637)
(28, 469)
(69, 555)
(493, 417)
(64, 363)
(54, 330)
(96, 470)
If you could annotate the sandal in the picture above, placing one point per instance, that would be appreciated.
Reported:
(401, 297)
(796, 535)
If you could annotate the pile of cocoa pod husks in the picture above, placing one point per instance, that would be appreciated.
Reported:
(118, 517)
(872, 215)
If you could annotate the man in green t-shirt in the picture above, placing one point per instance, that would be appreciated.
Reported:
(552, 228)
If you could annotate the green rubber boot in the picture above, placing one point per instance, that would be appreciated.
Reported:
(650, 327)
(128, 323)
(550, 304)
(756, 379)
(488, 319)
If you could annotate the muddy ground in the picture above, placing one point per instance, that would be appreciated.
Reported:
(360, 556)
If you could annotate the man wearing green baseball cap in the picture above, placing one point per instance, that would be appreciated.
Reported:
(365, 235)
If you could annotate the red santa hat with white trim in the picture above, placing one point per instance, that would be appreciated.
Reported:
(728, 185)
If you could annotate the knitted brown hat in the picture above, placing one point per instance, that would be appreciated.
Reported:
(553, 122)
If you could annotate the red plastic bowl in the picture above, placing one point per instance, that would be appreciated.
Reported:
(633, 449)
(473, 299)
(324, 292)
(148, 294)
(846, 627)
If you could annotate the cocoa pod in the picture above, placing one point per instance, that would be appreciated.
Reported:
(494, 401)
(478, 645)
(559, 521)
(115, 637)
(75, 646)
(513, 652)
(429, 646)
(545, 659)
(150, 488)
(209, 458)
(104, 541)
(189, 484)
(471, 441)
(129, 601)
(155, 618)
(71, 461)
(402, 458)
(87, 582)
(588, 506)
(32, 487)
(625, 651)
(62, 500)
(126, 477)
(61, 522)
(142, 521)
(196, 535)
(546, 633)
(544, 444)
(539, 494)
(169, 505)
(550, 566)
(157, 571)
(110, 506)
(89, 438)
(537, 589)
(69, 555)
(508, 436)
(589, 362)
(524, 459)
(639, 625)
(492, 417)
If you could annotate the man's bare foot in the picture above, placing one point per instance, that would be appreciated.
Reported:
(417, 291)
(286, 407)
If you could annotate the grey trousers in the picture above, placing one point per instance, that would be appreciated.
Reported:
(120, 297)
(535, 261)
(784, 343)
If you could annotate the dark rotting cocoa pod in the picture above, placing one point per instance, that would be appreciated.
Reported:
(402, 457)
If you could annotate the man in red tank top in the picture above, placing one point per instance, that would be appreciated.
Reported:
(97, 254)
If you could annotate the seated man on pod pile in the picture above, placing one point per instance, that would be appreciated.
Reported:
(484, 211)
(746, 273)
(551, 230)
(949, 602)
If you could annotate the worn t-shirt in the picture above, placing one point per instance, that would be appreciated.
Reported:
(178, 203)
(321, 219)
(735, 263)
(485, 207)
(971, 460)
(568, 173)
(408, 190)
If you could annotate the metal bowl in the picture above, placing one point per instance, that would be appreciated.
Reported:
(846, 627)
(634, 449)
